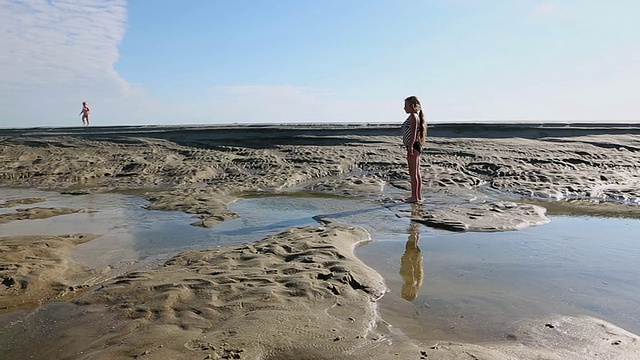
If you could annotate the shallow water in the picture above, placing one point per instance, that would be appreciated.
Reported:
(474, 286)
(132, 233)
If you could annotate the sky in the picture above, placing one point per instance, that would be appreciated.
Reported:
(161, 62)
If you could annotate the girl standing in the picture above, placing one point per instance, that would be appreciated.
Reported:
(414, 131)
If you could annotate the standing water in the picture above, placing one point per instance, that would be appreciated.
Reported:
(466, 287)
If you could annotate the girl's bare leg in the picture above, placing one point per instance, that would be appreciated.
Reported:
(418, 179)
(413, 162)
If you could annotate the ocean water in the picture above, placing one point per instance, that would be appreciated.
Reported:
(451, 286)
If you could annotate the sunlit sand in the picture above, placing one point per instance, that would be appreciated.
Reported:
(299, 293)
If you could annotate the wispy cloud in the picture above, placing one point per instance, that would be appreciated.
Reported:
(56, 53)
(543, 9)
(61, 43)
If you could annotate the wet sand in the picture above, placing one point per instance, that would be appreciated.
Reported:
(301, 294)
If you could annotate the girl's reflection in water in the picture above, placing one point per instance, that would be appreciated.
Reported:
(411, 261)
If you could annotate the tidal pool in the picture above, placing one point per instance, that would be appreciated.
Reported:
(475, 285)
(453, 286)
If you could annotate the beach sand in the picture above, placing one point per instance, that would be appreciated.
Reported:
(301, 294)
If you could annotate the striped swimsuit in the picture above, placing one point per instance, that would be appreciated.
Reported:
(406, 132)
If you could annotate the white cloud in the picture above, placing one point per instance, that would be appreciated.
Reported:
(61, 43)
(57, 53)
(543, 9)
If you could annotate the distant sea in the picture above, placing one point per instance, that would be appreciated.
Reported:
(530, 130)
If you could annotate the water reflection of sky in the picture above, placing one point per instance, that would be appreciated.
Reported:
(486, 281)
(470, 281)
(131, 232)
(128, 231)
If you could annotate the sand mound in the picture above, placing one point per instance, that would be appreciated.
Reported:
(23, 201)
(553, 338)
(35, 213)
(494, 216)
(37, 269)
(300, 292)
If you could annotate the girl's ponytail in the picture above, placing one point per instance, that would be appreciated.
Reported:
(422, 127)
(422, 130)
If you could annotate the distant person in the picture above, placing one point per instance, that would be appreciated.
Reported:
(414, 131)
(411, 269)
(85, 113)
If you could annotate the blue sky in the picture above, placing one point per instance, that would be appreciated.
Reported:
(146, 62)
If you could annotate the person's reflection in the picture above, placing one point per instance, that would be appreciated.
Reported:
(91, 205)
(411, 261)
